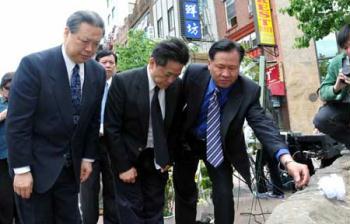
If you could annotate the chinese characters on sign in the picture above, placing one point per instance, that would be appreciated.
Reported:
(263, 22)
(191, 20)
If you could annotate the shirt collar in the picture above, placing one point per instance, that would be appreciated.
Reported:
(109, 81)
(69, 63)
(223, 91)
(151, 83)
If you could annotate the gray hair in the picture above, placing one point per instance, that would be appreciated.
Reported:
(89, 17)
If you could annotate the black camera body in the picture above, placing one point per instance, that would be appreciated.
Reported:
(346, 66)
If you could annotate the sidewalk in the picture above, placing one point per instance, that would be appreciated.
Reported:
(248, 208)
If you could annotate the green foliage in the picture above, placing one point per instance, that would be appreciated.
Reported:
(318, 18)
(136, 52)
(169, 197)
(205, 182)
(250, 68)
(323, 66)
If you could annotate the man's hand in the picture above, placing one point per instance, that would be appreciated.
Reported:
(23, 184)
(298, 171)
(129, 176)
(165, 169)
(3, 115)
(341, 82)
(85, 170)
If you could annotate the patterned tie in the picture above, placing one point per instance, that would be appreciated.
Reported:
(214, 146)
(75, 87)
(159, 138)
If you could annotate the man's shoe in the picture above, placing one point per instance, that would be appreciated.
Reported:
(277, 196)
(261, 195)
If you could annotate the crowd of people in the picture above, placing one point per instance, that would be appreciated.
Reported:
(71, 120)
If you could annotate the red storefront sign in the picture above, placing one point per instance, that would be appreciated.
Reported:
(254, 53)
(274, 81)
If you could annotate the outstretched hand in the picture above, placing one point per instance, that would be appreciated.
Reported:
(300, 174)
(298, 171)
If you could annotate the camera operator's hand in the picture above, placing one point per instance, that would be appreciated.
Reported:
(298, 171)
(341, 82)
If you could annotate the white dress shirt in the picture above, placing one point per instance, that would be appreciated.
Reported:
(161, 98)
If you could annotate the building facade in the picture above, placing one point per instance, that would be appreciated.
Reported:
(297, 69)
(162, 19)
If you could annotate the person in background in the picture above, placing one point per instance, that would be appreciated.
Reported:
(139, 117)
(217, 101)
(333, 117)
(90, 189)
(7, 202)
(53, 123)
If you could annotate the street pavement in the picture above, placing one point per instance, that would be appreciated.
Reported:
(248, 208)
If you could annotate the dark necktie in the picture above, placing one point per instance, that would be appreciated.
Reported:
(75, 87)
(214, 145)
(159, 138)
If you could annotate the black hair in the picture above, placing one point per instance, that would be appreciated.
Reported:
(6, 79)
(89, 17)
(172, 49)
(103, 53)
(343, 36)
(226, 45)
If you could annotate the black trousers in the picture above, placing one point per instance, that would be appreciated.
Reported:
(333, 119)
(90, 189)
(7, 201)
(186, 193)
(59, 205)
(142, 202)
(262, 159)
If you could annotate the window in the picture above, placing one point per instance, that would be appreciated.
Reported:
(113, 12)
(160, 28)
(326, 49)
(171, 23)
(231, 13)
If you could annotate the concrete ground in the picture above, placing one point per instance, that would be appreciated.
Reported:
(248, 208)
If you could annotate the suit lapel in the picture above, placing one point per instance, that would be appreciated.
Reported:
(231, 107)
(143, 101)
(61, 89)
(170, 104)
(88, 92)
(194, 101)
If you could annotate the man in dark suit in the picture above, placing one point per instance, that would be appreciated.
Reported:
(53, 122)
(138, 124)
(217, 100)
(90, 189)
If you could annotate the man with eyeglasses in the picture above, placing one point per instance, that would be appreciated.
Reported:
(53, 123)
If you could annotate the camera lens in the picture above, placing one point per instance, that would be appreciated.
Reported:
(346, 67)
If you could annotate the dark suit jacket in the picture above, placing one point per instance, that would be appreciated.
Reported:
(243, 103)
(40, 121)
(127, 116)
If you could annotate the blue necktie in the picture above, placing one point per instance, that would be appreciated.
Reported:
(75, 87)
(214, 145)
(103, 104)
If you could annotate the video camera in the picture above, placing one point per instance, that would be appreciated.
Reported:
(318, 146)
(346, 66)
